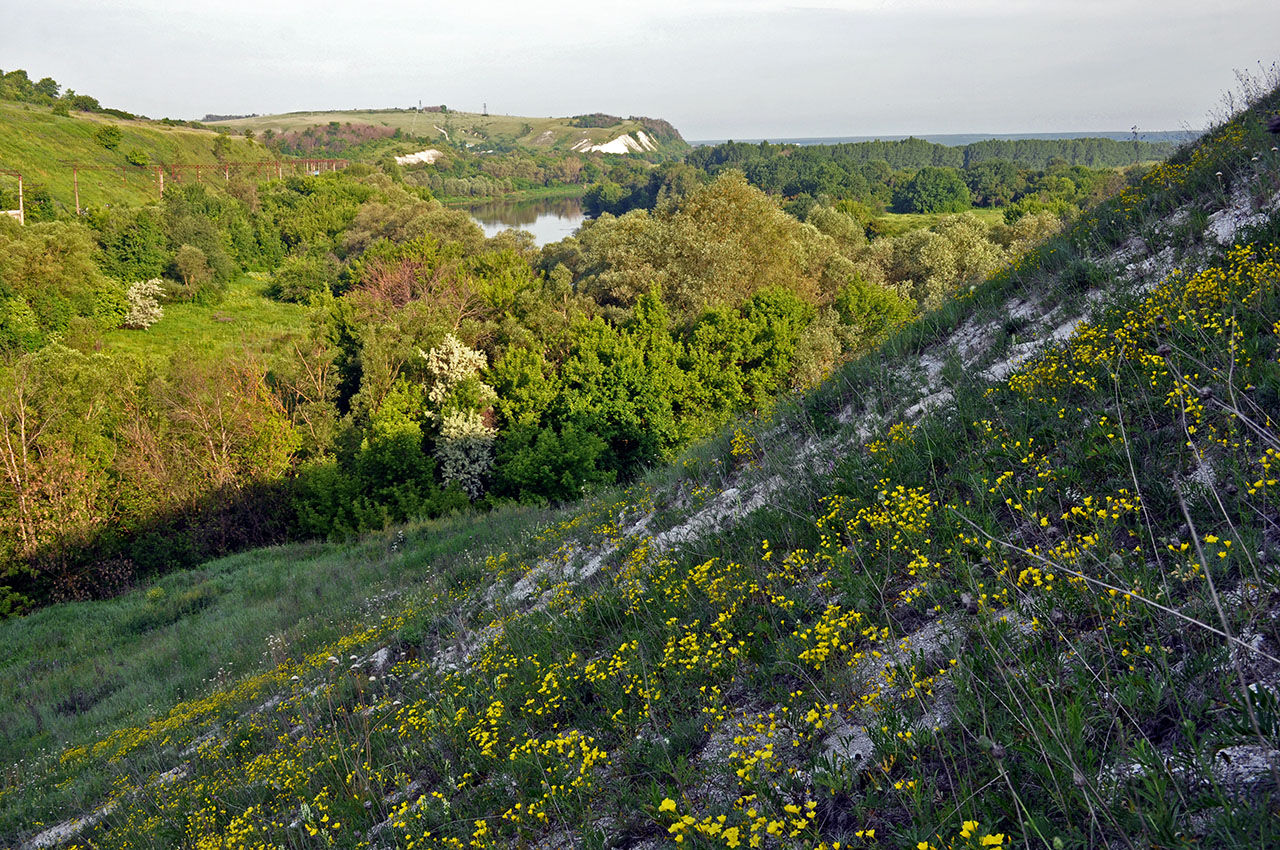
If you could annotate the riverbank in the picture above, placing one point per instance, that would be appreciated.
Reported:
(541, 193)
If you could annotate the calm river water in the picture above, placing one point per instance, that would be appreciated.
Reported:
(548, 219)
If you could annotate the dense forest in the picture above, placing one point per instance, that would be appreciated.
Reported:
(436, 370)
(907, 176)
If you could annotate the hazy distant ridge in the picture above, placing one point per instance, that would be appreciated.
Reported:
(962, 139)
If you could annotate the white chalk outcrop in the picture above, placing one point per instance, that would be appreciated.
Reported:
(640, 142)
(429, 156)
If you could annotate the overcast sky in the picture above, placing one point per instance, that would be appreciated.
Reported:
(715, 69)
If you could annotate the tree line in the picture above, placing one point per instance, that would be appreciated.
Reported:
(918, 180)
(18, 86)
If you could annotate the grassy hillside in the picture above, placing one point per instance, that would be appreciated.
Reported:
(465, 128)
(244, 320)
(1009, 581)
(40, 144)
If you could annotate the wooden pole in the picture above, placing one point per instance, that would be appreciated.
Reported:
(160, 174)
(22, 209)
(75, 182)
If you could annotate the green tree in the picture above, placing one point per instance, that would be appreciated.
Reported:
(108, 136)
(221, 145)
(47, 87)
(302, 278)
(933, 190)
(994, 183)
(57, 409)
(216, 224)
(52, 268)
(193, 266)
(550, 464)
(133, 243)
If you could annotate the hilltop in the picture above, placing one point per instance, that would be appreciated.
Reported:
(1009, 579)
(117, 156)
(581, 134)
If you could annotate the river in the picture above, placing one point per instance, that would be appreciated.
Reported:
(548, 219)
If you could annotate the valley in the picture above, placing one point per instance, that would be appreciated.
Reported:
(873, 494)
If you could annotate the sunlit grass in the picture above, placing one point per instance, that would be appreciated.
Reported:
(42, 146)
(245, 320)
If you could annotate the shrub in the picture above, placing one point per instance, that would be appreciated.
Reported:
(144, 308)
(108, 136)
(301, 278)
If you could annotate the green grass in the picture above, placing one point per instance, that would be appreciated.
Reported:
(38, 143)
(245, 320)
(70, 671)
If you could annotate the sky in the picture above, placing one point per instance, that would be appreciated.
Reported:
(714, 68)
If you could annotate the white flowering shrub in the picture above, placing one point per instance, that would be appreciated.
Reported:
(143, 304)
(455, 398)
(455, 369)
(464, 451)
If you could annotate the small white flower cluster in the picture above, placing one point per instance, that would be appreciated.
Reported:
(450, 363)
(465, 450)
(144, 305)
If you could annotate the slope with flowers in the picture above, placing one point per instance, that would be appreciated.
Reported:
(1012, 581)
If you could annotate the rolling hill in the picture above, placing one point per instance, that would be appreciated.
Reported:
(478, 130)
(42, 146)
(1011, 580)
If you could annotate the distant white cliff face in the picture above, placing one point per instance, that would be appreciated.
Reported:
(626, 143)
(429, 156)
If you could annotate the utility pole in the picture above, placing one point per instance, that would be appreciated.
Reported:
(22, 210)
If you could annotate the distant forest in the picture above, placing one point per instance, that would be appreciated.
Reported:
(907, 176)
(917, 153)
